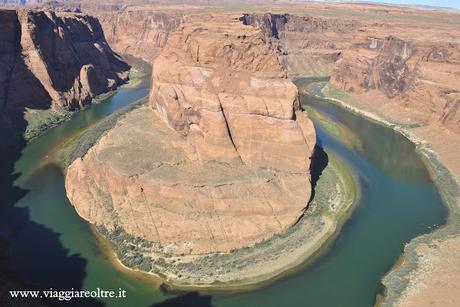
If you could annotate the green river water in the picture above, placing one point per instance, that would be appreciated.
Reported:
(53, 247)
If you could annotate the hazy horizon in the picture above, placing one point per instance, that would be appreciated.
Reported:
(442, 3)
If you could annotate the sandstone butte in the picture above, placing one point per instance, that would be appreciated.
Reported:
(222, 162)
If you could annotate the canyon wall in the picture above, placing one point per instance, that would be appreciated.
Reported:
(306, 45)
(223, 159)
(402, 69)
(140, 31)
(378, 61)
(50, 61)
(412, 81)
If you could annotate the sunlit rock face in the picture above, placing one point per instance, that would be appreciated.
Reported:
(51, 60)
(220, 160)
(140, 31)
(50, 64)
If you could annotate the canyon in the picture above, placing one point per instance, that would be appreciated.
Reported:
(396, 65)
(392, 67)
(399, 64)
(410, 80)
(223, 149)
(140, 31)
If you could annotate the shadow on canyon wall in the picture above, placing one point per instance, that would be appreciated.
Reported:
(319, 162)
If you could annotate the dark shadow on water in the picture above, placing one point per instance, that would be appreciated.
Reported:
(191, 299)
(31, 255)
(318, 164)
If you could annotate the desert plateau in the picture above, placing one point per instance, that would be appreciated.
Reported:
(229, 153)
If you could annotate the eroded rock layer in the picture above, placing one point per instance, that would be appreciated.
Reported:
(53, 60)
(223, 88)
(412, 81)
(140, 31)
(402, 69)
(223, 161)
(306, 45)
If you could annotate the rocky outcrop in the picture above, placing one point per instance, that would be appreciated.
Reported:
(223, 160)
(306, 45)
(391, 71)
(395, 68)
(226, 91)
(410, 81)
(50, 61)
(142, 32)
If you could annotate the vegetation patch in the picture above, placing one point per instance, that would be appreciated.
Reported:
(91, 135)
(38, 121)
(129, 249)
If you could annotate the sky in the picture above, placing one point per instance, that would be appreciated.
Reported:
(441, 3)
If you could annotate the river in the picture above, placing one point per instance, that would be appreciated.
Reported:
(52, 246)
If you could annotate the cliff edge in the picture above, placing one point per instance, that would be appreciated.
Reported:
(52, 62)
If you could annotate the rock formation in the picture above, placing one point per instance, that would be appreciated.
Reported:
(411, 80)
(228, 93)
(306, 45)
(141, 32)
(222, 162)
(50, 61)
(397, 69)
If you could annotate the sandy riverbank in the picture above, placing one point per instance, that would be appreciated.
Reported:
(428, 272)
